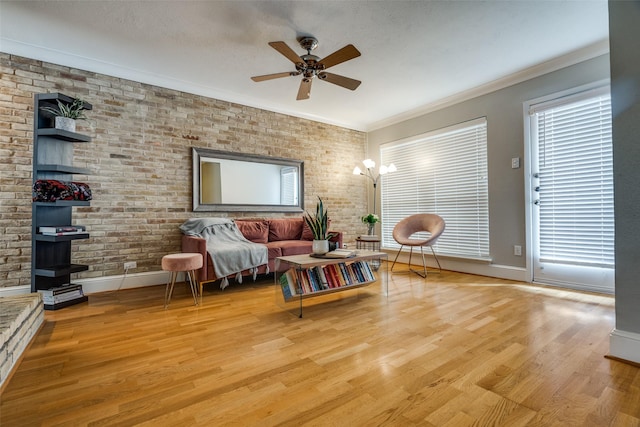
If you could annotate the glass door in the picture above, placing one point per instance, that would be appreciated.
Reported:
(572, 222)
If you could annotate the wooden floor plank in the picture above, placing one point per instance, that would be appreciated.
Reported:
(450, 350)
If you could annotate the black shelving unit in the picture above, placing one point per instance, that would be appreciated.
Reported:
(51, 264)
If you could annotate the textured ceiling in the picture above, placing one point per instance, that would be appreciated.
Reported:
(415, 54)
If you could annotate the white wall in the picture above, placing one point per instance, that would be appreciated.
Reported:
(625, 103)
(505, 133)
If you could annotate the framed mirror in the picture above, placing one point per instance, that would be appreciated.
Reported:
(226, 181)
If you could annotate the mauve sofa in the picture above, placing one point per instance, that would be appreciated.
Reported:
(281, 236)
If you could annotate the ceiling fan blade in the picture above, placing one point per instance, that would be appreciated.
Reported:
(285, 50)
(346, 53)
(343, 81)
(305, 89)
(272, 76)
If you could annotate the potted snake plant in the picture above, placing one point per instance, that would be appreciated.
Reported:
(319, 224)
(66, 114)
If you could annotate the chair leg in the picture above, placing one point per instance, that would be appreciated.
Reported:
(410, 257)
(423, 275)
(394, 261)
(436, 258)
(193, 284)
(169, 290)
(424, 263)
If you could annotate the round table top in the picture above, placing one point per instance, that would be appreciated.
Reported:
(373, 239)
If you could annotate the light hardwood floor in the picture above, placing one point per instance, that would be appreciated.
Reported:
(451, 350)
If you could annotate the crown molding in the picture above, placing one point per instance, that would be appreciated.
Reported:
(54, 56)
(58, 57)
(589, 52)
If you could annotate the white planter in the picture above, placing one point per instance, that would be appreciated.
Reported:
(65, 123)
(320, 247)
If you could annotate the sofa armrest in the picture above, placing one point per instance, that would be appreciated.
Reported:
(336, 238)
(193, 244)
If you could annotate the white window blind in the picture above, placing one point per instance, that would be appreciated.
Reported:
(289, 186)
(576, 222)
(442, 172)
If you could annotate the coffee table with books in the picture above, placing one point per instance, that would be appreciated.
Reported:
(312, 276)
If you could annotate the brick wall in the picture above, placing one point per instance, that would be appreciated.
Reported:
(140, 157)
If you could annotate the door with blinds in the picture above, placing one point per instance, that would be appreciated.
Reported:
(572, 191)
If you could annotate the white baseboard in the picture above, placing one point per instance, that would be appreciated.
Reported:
(624, 345)
(138, 280)
(126, 281)
(479, 267)
(108, 283)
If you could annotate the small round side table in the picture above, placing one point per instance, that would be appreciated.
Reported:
(370, 243)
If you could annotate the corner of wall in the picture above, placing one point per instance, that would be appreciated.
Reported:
(624, 345)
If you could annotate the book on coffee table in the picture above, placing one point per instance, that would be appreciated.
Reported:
(339, 253)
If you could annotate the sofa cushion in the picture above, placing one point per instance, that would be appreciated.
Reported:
(285, 229)
(295, 247)
(273, 250)
(256, 231)
(307, 234)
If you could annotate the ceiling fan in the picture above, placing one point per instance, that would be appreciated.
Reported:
(310, 66)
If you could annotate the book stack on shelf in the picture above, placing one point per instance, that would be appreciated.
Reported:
(64, 230)
(324, 278)
(57, 297)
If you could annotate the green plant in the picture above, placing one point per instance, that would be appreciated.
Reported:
(72, 111)
(319, 222)
(370, 218)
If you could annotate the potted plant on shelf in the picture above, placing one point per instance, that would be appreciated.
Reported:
(67, 114)
(319, 224)
(370, 220)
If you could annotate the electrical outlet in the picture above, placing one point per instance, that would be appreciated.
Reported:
(129, 265)
(517, 250)
(515, 163)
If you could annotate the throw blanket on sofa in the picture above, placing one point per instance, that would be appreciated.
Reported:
(230, 252)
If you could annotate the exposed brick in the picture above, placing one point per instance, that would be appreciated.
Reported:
(141, 164)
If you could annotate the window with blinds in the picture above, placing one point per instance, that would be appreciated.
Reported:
(289, 186)
(575, 176)
(442, 172)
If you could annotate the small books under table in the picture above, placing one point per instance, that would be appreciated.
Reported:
(311, 276)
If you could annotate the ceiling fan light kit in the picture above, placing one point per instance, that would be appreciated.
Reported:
(310, 66)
